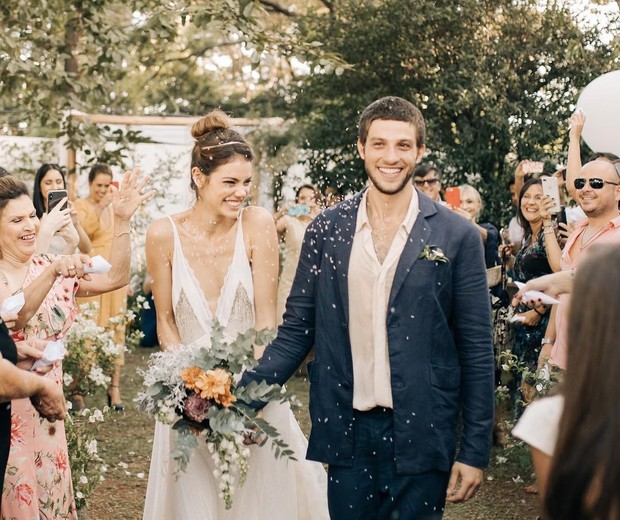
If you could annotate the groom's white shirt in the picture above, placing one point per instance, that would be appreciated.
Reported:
(370, 283)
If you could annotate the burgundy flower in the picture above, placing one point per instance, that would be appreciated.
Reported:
(196, 408)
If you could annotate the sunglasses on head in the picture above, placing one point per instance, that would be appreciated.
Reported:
(430, 182)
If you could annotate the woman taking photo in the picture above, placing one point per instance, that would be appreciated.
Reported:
(60, 231)
(291, 223)
(539, 255)
(38, 478)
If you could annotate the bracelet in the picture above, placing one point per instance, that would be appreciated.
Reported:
(539, 313)
(122, 233)
(546, 341)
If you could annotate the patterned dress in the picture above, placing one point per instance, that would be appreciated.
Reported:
(37, 482)
(530, 262)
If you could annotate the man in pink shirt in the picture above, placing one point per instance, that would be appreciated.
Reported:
(597, 190)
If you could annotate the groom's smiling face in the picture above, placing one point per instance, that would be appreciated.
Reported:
(390, 154)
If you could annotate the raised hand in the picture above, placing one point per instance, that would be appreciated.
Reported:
(576, 122)
(128, 198)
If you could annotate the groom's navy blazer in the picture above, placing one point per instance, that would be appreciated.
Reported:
(439, 341)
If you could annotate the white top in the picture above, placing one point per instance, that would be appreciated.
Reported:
(538, 426)
(235, 305)
(370, 283)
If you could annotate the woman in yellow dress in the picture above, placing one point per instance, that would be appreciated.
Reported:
(97, 219)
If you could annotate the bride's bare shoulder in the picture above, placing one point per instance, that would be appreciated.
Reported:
(256, 217)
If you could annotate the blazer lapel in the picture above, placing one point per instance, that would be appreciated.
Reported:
(343, 233)
(418, 238)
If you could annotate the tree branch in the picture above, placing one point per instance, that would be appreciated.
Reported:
(277, 8)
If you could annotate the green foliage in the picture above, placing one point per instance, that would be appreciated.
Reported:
(91, 354)
(86, 464)
(496, 81)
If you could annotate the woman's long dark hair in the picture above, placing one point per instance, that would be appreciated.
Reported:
(520, 217)
(584, 481)
(37, 198)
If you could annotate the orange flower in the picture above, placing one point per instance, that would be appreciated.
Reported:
(215, 384)
(190, 376)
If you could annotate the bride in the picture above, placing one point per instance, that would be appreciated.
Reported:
(219, 261)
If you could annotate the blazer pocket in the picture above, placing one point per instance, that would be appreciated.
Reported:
(445, 377)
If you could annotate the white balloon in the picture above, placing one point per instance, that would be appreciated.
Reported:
(600, 101)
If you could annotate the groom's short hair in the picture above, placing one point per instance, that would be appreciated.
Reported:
(395, 109)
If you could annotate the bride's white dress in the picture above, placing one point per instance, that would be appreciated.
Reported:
(275, 489)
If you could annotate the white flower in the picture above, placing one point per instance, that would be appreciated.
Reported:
(91, 447)
(83, 479)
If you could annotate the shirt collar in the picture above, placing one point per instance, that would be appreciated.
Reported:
(407, 223)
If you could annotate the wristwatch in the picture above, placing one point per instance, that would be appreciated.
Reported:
(546, 341)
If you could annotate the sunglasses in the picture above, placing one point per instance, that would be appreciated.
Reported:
(595, 183)
(430, 182)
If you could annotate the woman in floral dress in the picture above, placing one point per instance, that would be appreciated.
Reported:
(38, 477)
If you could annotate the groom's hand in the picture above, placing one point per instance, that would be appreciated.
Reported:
(464, 482)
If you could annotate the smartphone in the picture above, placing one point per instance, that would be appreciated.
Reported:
(54, 197)
(551, 189)
(533, 167)
(300, 210)
(453, 196)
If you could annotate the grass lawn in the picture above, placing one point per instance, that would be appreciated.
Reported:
(125, 441)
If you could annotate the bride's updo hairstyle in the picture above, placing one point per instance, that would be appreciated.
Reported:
(216, 144)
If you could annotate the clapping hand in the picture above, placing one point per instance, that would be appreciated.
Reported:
(71, 266)
(128, 198)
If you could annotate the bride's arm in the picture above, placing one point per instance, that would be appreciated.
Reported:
(264, 256)
(159, 249)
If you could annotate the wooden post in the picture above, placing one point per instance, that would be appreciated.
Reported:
(71, 174)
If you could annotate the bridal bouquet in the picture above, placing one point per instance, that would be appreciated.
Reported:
(193, 389)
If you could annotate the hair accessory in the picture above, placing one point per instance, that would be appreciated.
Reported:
(221, 144)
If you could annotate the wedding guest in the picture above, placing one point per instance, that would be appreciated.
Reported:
(332, 196)
(38, 477)
(539, 255)
(427, 178)
(148, 316)
(60, 231)
(574, 435)
(597, 191)
(471, 207)
(97, 218)
(291, 223)
(46, 396)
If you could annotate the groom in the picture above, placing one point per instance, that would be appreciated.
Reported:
(391, 291)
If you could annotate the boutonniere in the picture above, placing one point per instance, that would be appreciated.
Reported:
(434, 254)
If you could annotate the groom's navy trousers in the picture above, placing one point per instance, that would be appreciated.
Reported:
(372, 489)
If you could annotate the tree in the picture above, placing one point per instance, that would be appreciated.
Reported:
(496, 80)
(137, 56)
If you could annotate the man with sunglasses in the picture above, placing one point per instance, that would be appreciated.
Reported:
(597, 191)
(427, 178)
